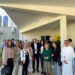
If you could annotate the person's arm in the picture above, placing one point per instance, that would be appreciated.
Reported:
(73, 53)
(43, 54)
(62, 55)
(39, 48)
(29, 54)
(22, 56)
(49, 54)
(13, 53)
(58, 51)
(52, 52)
(32, 47)
(31, 51)
(4, 55)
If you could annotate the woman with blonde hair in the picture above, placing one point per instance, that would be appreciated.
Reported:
(25, 57)
(17, 57)
(31, 57)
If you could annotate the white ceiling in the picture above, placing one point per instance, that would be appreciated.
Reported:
(24, 18)
(51, 26)
(67, 3)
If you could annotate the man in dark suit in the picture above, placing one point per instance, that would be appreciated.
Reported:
(36, 49)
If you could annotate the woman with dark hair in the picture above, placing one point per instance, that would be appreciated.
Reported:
(56, 58)
(41, 52)
(8, 56)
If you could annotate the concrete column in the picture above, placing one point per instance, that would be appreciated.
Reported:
(63, 29)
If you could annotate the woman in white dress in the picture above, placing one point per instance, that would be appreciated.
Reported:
(31, 57)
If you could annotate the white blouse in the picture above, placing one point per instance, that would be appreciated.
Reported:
(42, 48)
(23, 56)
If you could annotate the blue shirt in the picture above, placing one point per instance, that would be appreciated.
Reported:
(3, 45)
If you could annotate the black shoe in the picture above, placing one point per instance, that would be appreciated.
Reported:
(33, 71)
(42, 72)
(37, 70)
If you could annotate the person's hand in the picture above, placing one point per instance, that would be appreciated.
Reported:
(23, 62)
(20, 50)
(36, 49)
(40, 52)
(5, 64)
(65, 62)
(52, 54)
(46, 57)
(31, 55)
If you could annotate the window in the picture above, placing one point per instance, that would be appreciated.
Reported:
(5, 21)
(0, 20)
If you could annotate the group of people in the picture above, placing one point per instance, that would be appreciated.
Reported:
(16, 53)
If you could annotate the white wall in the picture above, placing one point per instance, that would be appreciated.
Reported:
(71, 31)
(38, 33)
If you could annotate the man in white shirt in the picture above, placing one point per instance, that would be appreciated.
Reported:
(67, 55)
(36, 49)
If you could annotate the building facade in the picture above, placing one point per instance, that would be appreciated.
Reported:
(8, 29)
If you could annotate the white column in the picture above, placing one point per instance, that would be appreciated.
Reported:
(63, 29)
(2, 21)
(9, 20)
(20, 36)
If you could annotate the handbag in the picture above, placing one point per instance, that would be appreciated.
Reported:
(5, 70)
(59, 62)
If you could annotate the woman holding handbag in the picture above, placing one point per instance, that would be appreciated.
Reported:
(25, 56)
(56, 58)
(41, 55)
(8, 56)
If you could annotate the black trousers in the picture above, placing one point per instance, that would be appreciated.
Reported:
(36, 58)
(42, 62)
(10, 65)
(25, 68)
(44, 73)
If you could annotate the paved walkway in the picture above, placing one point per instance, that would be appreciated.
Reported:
(20, 72)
